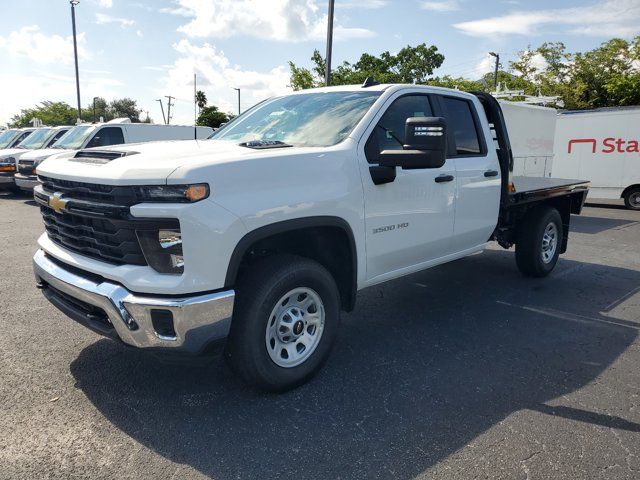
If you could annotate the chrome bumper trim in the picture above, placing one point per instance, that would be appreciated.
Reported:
(25, 182)
(198, 320)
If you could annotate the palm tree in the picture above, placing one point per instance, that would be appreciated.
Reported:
(201, 99)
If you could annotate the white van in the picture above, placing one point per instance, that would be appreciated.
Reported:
(603, 146)
(115, 132)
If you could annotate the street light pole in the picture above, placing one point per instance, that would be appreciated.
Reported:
(75, 53)
(327, 73)
(495, 74)
(238, 99)
(162, 109)
(94, 109)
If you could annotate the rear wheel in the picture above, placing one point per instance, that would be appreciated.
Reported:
(285, 322)
(539, 241)
(632, 199)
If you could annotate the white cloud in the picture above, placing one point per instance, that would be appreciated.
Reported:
(29, 90)
(441, 6)
(139, 33)
(284, 20)
(362, 4)
(484, 66)
(216, 77)
(103, 19)
(41, 48)
(106, 3)
(605, 18)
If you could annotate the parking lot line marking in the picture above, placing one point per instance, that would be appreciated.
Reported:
(617, 302)
(573, 317)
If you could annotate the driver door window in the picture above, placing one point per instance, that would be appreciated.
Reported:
(107, 136)
(389, 132)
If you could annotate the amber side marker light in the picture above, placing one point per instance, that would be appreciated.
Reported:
(196, 192)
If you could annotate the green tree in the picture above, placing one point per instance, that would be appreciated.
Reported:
(201, 99)
(50, 113)
(100, 110)
(123, 107)
(409, 65)
(211, 117)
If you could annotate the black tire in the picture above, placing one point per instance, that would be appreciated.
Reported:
(257, 294)
(529, 241)
(632, 199)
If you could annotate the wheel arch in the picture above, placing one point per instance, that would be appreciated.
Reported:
(629, 188)
(306, 237)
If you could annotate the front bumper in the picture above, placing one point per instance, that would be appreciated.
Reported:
(26, 182)
(7, 179)
(140, 321)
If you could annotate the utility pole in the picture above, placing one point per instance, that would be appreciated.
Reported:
(195, 108)
(164, 119)
(495, 74)
(327, 73)
(94, 109)
(75, 53)
(238, 90)
(169, 105)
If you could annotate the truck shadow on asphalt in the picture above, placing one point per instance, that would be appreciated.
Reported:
(594, 225)
(423, 366)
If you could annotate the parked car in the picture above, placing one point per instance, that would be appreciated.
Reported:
(264, 233)
(115, 132)
(42, 137)
(9, 139)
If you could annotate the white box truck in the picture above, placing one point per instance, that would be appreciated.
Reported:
(602, 146)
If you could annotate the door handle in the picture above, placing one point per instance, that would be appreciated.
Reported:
(444, 178)
(491, 173)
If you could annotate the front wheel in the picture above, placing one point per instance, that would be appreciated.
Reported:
(632, 199)
(538, 242)
(285, 322)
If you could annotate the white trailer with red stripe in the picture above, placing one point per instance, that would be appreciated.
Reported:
(601, 146)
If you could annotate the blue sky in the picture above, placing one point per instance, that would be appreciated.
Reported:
(145, 49)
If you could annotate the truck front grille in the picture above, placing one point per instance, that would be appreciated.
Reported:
(25, 167)
(92, 222)
(101, 238)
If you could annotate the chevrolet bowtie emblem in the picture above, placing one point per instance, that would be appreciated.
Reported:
(58, 203)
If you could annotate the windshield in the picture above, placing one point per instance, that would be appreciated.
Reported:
(75, 137)
(306, 120)
(7, 137)
(37, 139)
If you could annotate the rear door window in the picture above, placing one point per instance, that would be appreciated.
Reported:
(462, 125)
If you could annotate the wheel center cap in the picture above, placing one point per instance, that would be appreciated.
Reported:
(298, 327)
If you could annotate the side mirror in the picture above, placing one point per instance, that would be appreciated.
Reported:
(425, 145)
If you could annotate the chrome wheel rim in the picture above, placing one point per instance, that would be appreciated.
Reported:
(634, 200)
(549, 242)
(295, 327)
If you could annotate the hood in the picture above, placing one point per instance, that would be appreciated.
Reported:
(11, 152)
(144, 163)
(39, 155)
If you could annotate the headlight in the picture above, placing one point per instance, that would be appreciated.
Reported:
(162, 249)
(8, 164)
(173, 193)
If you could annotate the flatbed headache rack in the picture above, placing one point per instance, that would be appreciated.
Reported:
(521, 194)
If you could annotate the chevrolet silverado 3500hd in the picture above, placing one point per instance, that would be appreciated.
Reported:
(255, 240)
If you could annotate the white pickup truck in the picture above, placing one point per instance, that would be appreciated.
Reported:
(254, 241)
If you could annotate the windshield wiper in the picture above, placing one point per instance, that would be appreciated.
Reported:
(260, 144)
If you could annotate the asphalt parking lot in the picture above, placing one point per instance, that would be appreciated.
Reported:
(464, 371)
